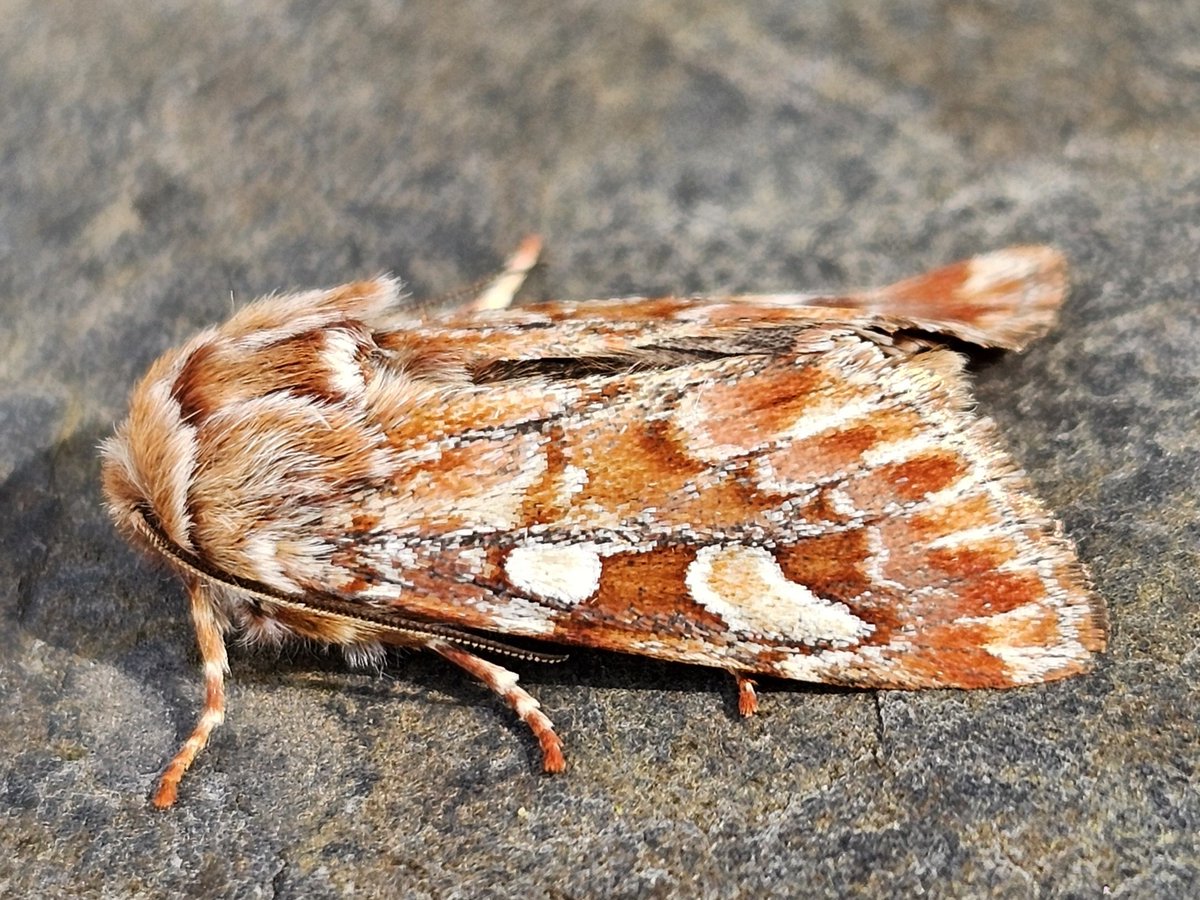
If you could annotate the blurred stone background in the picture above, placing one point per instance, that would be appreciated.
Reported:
(162, 163)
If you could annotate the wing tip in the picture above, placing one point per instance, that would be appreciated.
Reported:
(1007, 298)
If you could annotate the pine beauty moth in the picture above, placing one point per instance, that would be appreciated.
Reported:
(775, 485)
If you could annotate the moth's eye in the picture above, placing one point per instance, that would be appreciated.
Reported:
(146, 511)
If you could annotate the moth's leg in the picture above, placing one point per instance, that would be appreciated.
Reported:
(504, 683)
(499, 292)
(747, 698)
(212, 714)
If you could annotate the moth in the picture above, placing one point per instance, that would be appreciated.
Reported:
(780, 485)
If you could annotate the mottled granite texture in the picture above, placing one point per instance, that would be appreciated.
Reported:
(158, 158)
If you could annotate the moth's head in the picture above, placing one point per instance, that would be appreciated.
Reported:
(148, 464)
(298, 343)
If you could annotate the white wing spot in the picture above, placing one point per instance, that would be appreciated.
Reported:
(567, 574)
(746, 587)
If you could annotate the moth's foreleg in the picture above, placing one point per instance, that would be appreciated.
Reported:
(504, 683)
(212, 714)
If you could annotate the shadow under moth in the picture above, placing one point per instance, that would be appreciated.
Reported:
(779, 485)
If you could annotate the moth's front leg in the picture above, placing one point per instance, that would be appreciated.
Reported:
(504, 683)
(212, 713)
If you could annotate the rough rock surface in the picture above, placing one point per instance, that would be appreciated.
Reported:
(158, 158)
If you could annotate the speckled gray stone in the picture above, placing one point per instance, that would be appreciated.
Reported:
(157, 159)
